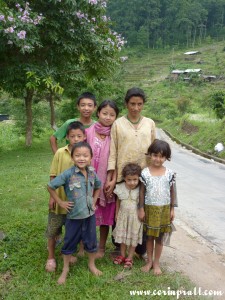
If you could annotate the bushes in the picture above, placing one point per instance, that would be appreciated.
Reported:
(218, 103)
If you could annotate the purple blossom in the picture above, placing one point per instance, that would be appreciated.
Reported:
(93, 2)
(11, 19)
(9, 30)
(2, 17)
(81, 15)
(104, 18)
(17, 5)
(104, 4)
(22, 34)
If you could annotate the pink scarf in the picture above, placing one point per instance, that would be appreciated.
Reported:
(101, 165)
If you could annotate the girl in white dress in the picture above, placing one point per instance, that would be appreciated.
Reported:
(157, 201)
(129, 229)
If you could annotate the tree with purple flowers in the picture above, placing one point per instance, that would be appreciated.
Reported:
(53, 41)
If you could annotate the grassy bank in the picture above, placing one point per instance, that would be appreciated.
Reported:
(182, 107)
(23, 219)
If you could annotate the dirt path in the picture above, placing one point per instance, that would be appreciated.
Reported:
(193, 256)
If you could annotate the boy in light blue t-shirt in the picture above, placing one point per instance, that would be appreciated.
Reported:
(82, 188)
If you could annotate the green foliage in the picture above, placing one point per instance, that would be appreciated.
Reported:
(183, 104)
(201, 133)
(41, 116)
(218, 103)
(163, 23)
(195, 79)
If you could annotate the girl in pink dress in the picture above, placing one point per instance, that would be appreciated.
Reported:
(98, 136)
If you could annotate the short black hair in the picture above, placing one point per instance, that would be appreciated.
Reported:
(110, 103)
(131, 169)
(75, 125)
(135, 92)
(159, 146)
(81, 145)
(87, 95)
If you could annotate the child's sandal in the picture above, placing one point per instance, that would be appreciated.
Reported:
(119, 260)
(128, 263)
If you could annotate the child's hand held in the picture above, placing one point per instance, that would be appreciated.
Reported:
(141, 214)
(51, 203)
(172, 214)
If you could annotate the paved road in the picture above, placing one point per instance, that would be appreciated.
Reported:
(201, 193)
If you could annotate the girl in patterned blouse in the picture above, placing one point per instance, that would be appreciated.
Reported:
(157, 201)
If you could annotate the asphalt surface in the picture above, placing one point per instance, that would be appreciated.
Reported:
(201, 193)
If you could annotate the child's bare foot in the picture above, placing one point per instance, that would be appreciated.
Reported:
(73, 260)
(100, 253)
(63, 276)
(94, 270)
(156, 269)
(80, 253)
(50, 265)
(147, 267)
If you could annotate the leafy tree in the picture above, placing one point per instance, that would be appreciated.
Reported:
(48, 45)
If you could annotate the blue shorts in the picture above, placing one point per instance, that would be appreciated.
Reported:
(77, 230)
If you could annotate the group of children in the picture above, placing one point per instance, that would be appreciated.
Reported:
(144, 201)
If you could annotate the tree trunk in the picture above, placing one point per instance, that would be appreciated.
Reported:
(52, 109)
(194, 36)
(29, 117)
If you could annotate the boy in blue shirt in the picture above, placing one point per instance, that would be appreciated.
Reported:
(57, 216)
(82, 188)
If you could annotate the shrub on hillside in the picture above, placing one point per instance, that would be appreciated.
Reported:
(218, 103)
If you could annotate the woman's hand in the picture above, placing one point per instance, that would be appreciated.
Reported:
(109, 187)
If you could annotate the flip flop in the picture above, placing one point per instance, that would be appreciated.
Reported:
(119, 260)
(128, 263)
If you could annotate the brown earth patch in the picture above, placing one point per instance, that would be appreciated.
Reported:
(188, 127)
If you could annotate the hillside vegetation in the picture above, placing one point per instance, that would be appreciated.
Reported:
(183, 107)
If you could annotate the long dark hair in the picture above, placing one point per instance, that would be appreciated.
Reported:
(110, 103)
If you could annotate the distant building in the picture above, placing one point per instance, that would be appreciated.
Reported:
(176, 73)
(192, 53)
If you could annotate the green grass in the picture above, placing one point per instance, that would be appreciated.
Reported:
(23, 218)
